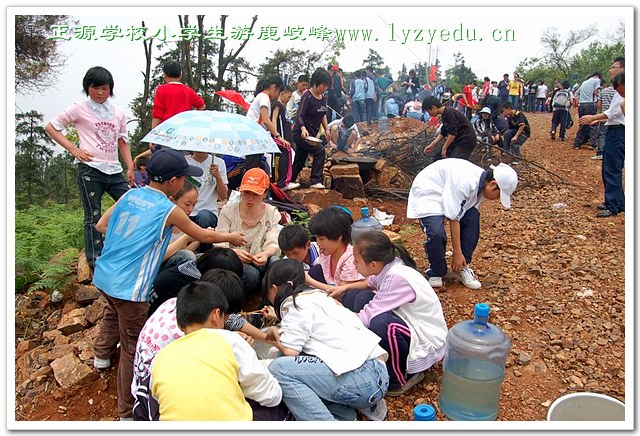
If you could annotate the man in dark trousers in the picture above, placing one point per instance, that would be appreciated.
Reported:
(460, 138)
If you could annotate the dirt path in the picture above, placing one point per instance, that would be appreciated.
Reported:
(554, 279)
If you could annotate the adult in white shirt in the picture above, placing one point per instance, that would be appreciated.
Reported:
(453, 189)
(211, 186)
(541, 97)
(613, 152)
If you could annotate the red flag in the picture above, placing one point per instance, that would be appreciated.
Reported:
(432, 73)
(235, 97)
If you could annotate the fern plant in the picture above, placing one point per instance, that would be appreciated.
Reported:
(56, 274)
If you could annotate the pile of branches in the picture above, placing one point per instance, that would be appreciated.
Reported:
(407, 154)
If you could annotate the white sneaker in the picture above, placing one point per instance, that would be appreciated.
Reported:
(468, 278)
(101, 363)
(378, 414)
(436, 282)
(318, 186)
(596, 157)
(290, 186)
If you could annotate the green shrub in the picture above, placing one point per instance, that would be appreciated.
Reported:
(41, 233)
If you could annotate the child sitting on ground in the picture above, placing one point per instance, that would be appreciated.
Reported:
(332, 364)
(206, 374)
(404, 311)
(344, 133)
(162, 328)
(294, 243)
(181, 246)
(137, 229)
(332, 228)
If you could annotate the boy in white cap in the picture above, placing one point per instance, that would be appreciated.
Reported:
(453, 189)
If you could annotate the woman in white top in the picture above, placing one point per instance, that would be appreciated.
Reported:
(332, 364)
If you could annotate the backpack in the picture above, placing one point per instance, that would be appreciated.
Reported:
(283, 201)
(561, 99)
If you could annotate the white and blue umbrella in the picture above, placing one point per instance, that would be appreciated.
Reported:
(213, 132)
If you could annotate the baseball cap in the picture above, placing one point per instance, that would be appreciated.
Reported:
(334, 68)
(255, 180)
(486, 110)
(167, 163)
(507, 180)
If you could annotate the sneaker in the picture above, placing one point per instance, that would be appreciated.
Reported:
(468, 278)
(318, 186)
(593, 147)
(414, 380)
(99, 363)
(290, 186)
(553, 136)
(596, 157)
(563, 139)
(515, 162)
(436, 282)
(378, 413)
(576, 148)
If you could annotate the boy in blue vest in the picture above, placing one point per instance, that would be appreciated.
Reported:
(138, 229)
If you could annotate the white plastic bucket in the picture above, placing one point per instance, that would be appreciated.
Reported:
(586, 406)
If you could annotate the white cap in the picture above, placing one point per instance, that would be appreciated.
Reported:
(507, 180)
(486, 110)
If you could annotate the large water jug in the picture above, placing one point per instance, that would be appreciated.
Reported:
(364, 224)
(474, 368)
(383, 124)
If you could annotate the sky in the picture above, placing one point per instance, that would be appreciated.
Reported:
(493, 40)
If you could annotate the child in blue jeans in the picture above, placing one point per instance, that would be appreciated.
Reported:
(403, 310)
(332, 364)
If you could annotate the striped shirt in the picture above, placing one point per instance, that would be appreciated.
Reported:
(605, 96)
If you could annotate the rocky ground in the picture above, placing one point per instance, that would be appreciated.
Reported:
(554, 277)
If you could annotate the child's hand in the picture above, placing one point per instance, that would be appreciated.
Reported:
(246, 337)
(237, 239)
(269, 312)
(337, 291)
(82, 155)
(273, 334)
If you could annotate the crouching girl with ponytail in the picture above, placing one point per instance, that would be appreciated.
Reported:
(332, 364)
(404, 311)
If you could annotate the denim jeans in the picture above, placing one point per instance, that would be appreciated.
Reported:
(370, 109)
(515, 101)
(92, 184)
(436, 243)
(602, 134)
(612, 165)
(205, 219)
(513, 146)
(303, 150)
(313, 392)
(586, 132)
(252, 275)
(178, 258)
(382, 105)
(359, 111)
(560, 118)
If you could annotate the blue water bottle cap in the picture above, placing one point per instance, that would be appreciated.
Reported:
(365, 212)
(481, 310)
(424, 412)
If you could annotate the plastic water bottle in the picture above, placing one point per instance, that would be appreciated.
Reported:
(383, 124)
(424, 412)
(473, 368)
(364, 224)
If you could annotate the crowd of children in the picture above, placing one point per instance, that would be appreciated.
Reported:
(355, 321)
